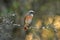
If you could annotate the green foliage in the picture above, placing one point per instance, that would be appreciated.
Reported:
(15, 5)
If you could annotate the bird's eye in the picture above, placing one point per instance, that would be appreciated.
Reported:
(31, 12)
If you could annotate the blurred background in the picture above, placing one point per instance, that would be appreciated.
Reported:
(46, 19)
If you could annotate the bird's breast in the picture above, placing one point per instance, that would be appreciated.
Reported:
(29, 17)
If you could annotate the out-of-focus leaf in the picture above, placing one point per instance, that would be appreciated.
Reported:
(15, 4)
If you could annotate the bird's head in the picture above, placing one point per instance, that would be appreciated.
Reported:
(31, 12)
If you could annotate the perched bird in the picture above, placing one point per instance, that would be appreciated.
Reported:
(28, 19)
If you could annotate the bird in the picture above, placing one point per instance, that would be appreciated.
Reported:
(28, 19)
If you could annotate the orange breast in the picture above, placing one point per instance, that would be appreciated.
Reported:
(28, 18)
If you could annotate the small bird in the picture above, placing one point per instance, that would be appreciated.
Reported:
(28, 19)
